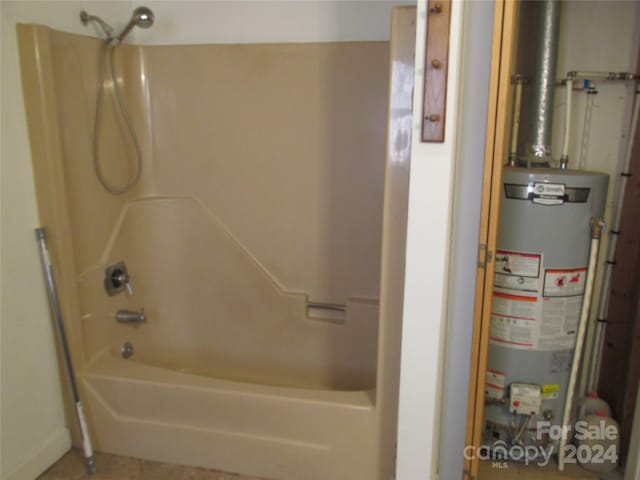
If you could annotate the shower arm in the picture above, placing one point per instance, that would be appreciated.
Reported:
(85, 18)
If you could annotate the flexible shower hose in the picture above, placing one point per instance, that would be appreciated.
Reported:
(109, 51)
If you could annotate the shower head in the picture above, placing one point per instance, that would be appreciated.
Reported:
(142, 17)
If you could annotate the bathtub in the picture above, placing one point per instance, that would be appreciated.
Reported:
(272, 432)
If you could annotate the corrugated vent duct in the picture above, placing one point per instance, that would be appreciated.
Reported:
(539, 27)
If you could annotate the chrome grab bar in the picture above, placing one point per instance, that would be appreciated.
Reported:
(331, 312)
(130, 316)
(327, 306)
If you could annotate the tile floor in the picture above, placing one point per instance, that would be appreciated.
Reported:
(112, 467)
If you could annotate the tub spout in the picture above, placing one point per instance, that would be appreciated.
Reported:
(129, 316)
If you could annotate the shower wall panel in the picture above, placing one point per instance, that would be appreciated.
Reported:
(261, 190)
(285, 144)
(76, 62)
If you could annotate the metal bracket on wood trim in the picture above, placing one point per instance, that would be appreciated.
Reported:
(482, 255)
(485, 256)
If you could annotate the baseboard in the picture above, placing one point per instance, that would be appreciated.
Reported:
(43, 457)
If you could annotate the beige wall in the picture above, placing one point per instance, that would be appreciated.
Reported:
(273, 21)
(33, 424)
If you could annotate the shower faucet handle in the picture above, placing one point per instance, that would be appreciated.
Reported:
(125, 280)
(117, 279)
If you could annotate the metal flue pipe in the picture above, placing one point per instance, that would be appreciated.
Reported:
(536, 61)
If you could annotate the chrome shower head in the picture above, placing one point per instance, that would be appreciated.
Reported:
(142, 17)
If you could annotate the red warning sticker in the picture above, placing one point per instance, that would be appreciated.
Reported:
(564, 283)
(494, 384)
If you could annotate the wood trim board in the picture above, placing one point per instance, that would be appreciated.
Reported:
(502, 55)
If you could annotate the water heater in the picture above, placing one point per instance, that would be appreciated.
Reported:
(540, 272)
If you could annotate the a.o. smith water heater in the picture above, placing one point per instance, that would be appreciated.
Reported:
(540, 272)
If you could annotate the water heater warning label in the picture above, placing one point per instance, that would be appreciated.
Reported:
(518, 264)
(564, 283)
(513, 320)
(517, 284)
(559, 322)
(495, 383)
(514, 310)
(531, 311)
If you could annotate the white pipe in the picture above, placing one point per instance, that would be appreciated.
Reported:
(516, 123)
(605, 290)
(596, 233)
(586, 126)
(625, 76)
(632, 467)
(582, 160)
(564, 157)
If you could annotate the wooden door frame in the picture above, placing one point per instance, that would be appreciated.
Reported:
(502, 55)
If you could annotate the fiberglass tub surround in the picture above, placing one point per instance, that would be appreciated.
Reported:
(239, 222)
(252, 244)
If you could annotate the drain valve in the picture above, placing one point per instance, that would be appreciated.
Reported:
(126, 350)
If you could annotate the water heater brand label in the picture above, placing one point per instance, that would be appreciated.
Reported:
(548, 193)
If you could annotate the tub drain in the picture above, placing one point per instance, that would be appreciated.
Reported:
(126, 349)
